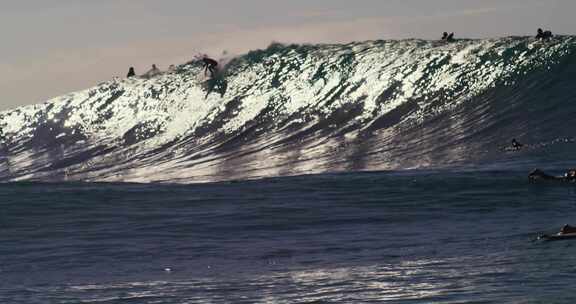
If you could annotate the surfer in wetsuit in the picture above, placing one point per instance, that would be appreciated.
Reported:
(131, 72)
(444, 36)
(567, 229)
(537, 174)
(566, 232)
(516, 145)
(570, 175)
(450, 37)
(544, 35)
(210, 65)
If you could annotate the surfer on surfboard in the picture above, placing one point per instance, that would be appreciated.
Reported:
(537, 174)
(209, 65)
(567, 232)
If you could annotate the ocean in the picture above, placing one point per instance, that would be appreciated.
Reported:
(367, 172)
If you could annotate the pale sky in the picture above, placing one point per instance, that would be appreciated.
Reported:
(53, 47)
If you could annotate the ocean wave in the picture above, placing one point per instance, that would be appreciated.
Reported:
(298, 109)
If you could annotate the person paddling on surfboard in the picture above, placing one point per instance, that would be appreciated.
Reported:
(567, 232)
(537, 174)
(567, 229)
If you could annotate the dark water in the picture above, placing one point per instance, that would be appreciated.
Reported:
(416, 236)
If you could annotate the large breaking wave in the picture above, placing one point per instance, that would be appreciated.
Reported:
(296, 109)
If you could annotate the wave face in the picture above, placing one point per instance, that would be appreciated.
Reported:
(298, 109)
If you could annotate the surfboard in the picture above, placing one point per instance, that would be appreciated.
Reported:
(557, 237)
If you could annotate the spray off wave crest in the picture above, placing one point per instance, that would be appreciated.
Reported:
(296, 109)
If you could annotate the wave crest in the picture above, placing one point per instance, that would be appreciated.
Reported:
(297, 109)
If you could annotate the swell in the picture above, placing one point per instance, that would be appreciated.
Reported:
(297, 109)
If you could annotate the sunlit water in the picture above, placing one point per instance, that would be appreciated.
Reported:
(431, 236)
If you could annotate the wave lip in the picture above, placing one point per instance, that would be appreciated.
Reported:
(296, 109)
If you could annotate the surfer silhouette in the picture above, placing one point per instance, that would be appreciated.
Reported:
(516, 145)
(209, 65)
(566, 232)
(131, 72)
(567, 229)
(544, 35)
(152, 72)
(444, 35)
(537, 174)
(450, 38)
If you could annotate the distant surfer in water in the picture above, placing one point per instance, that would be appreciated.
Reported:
(566, 232)
(448, 38)
(537, 174)
(210, 65)
(544, 35)
(567, 229)
(516, 145)
(154, 71)
(131, 72)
